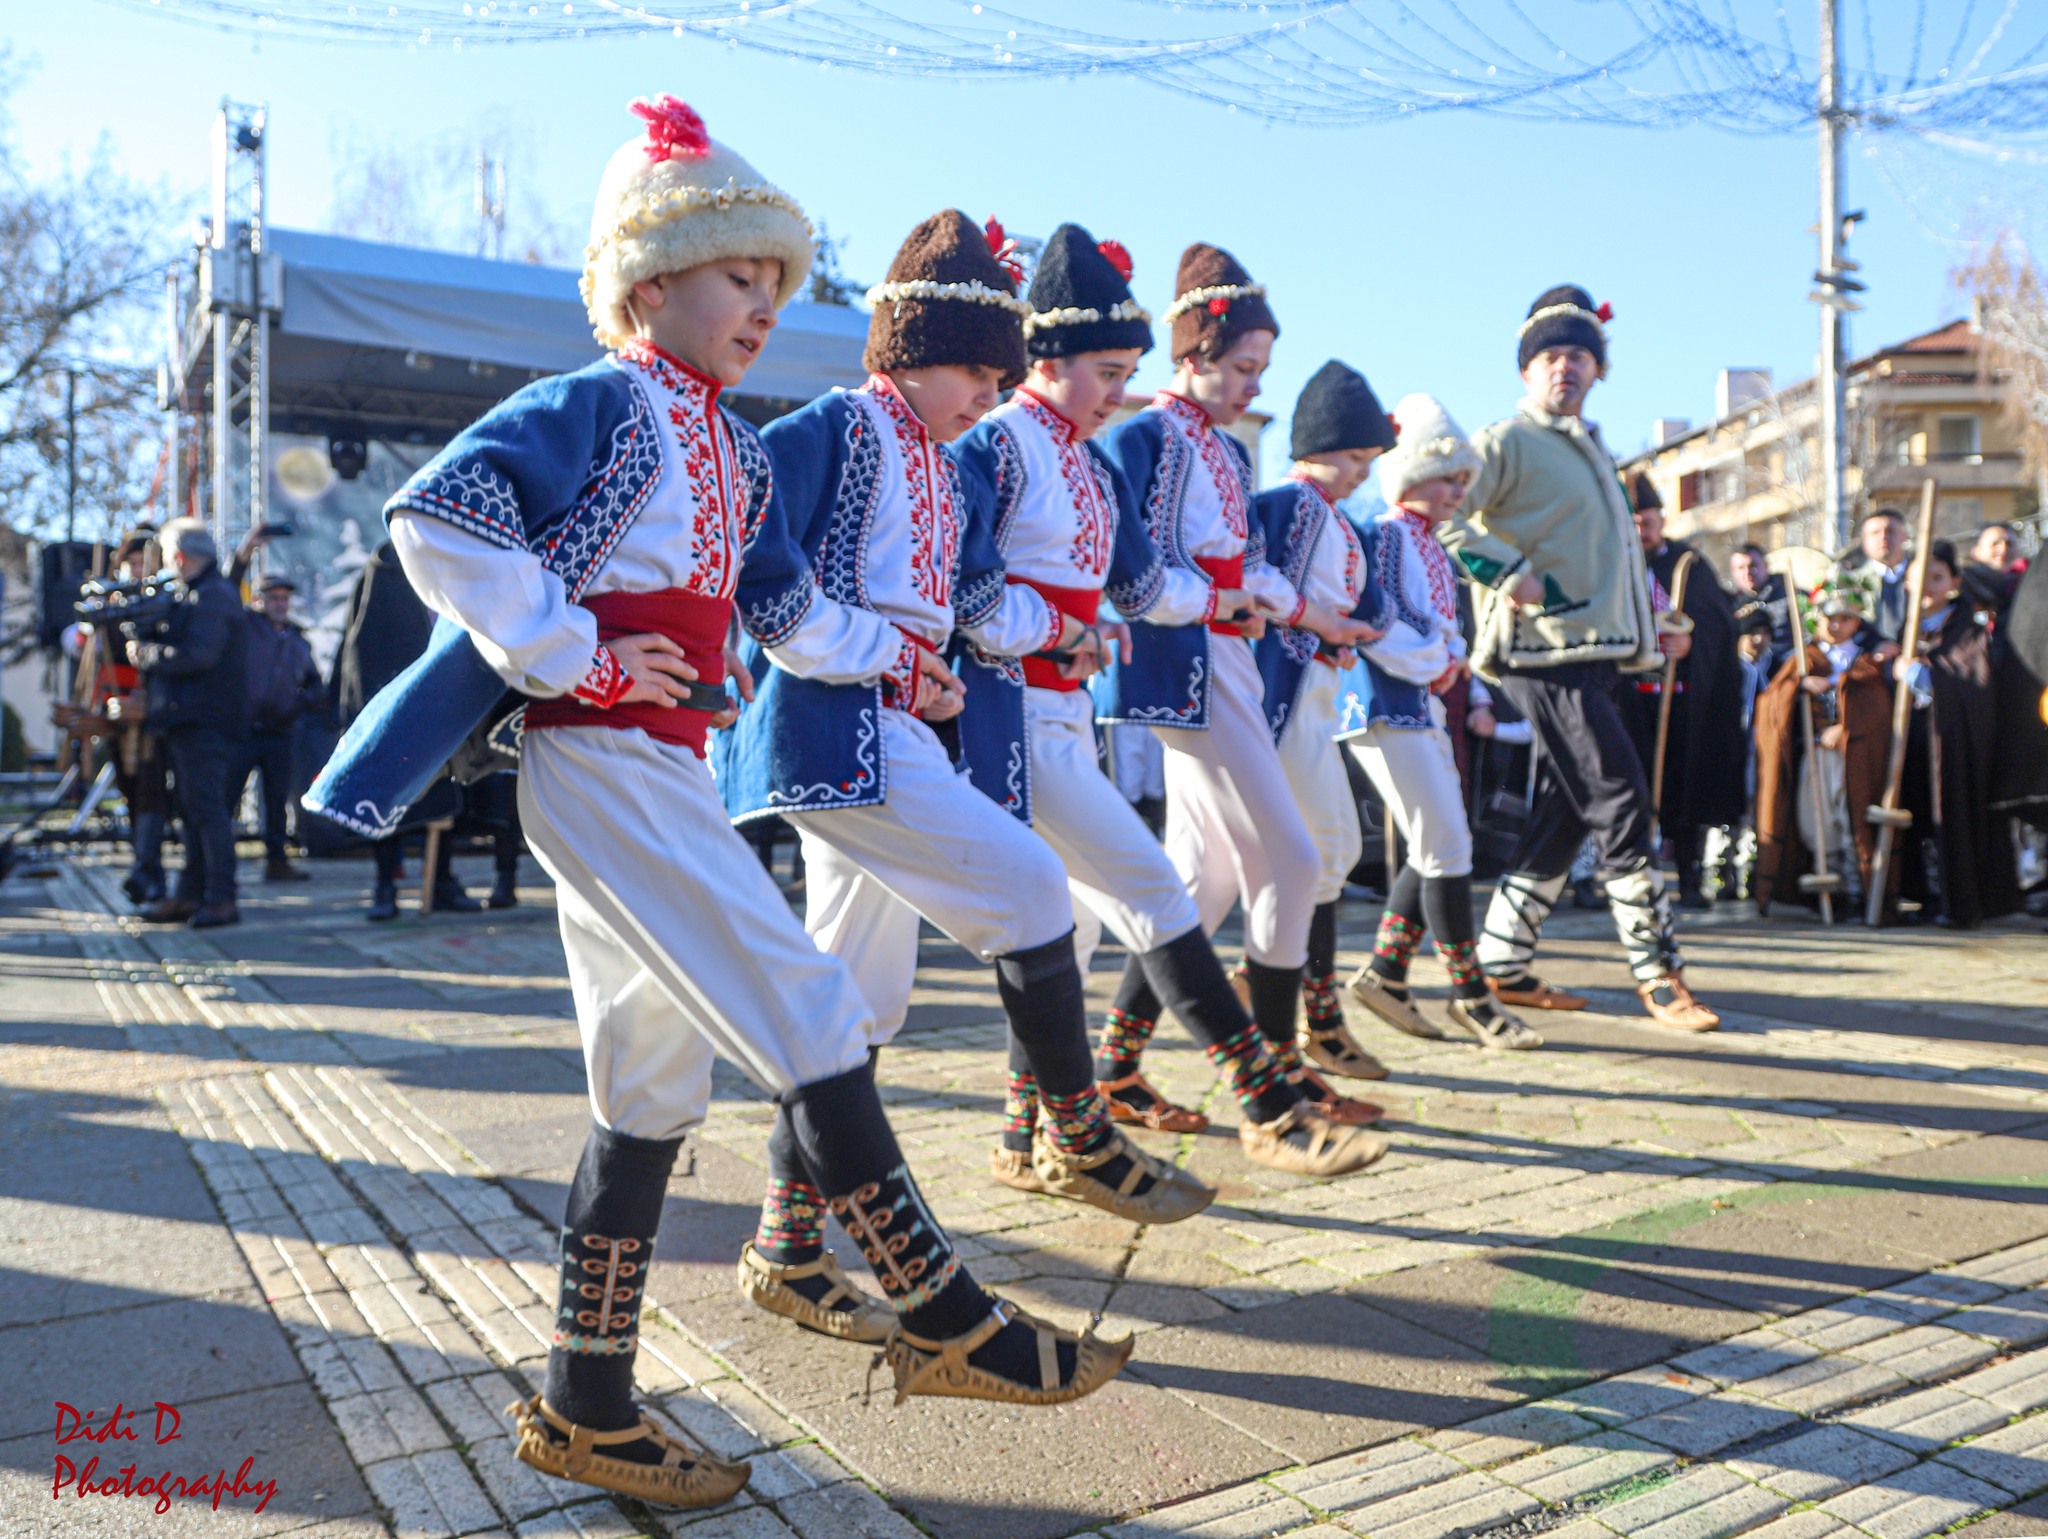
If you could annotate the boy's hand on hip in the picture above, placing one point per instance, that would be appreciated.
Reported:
(657, 667)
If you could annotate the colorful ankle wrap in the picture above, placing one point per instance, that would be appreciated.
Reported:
(1319, 999)
(1124, 1038)
(792, 1225)
(1248, 1063)
(1461, 961)
(1077, 1123)
(1020, 1105)
(1394, 947)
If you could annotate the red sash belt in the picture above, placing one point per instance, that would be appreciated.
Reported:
(693, 622)
(1041, 671)
(889, 694)
(1224, 572)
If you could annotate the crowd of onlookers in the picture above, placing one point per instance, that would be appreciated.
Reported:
(1755, 800)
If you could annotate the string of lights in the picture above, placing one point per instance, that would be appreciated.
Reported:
(1972, 78)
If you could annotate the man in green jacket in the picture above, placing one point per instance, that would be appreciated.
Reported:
(1548, 542)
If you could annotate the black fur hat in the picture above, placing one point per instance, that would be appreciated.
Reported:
(1338, 410)
(1081, 299)
(1564, 317)
(948, 300)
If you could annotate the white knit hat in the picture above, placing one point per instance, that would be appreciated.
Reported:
(674, 199)
(1428, 443)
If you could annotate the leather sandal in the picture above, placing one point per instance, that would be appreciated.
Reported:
(1398, 1011)
(1013, 1168)
(686, 1476)
(1175, 1194)
(1162, 1116)
(924, 1367)
(1671, 1003)
(1303, 1142)
(1532, 993)
(844, 1311)
(1493, 1024)
(1328, 1102)
(1332, 1048)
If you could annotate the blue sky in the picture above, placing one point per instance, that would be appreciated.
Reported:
(1410, 251)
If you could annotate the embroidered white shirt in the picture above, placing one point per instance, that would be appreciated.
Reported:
(1422, 636)
(1216, 512)
(1335, 574)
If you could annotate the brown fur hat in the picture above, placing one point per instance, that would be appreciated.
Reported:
(949, 300)
(1214, 303)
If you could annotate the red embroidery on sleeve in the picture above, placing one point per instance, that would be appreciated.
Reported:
(606, 684)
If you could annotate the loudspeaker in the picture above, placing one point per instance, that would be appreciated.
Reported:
(65, 565)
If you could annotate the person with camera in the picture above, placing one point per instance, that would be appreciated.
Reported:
(284, 683)
(194, 667)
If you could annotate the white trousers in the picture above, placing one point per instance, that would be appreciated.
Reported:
(1120, 877)
(937, 848)
(1231, 824)
(680, 946)
(1322, 791)
(1415, 770)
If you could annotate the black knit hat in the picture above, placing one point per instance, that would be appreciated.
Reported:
(1081, 299)
(948, 300)
(1642, 492)
(1214, 303)
(1338, 410)
(1564, 317)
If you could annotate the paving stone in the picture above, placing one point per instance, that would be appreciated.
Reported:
(1355, 1480)
(2017, 1320)
(1709, 1423)
(1708, 1503)
(1846, 1324)
(1449, 1509)
(1825, 1384)
(1509, 1434)
(1928, 1419)
(1596, 1463)
(1811, 1524)
(2020, 1266)
(1249, 1511)
(1821, 1463)
(1936, 1293)
(1752, 1355)
(1630, 1396)
(2013, 1458)
(2018, 1386)
(1915, 1502)
(1924, 1353)
(741, 1523)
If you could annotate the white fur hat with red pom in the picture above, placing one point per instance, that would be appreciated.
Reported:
(674, 198)
(1428, 443)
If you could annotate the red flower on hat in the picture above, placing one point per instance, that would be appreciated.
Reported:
(1605, 312)
(674, 131)
(1119, 258)
(1219, 306)
(1394, 423)
(1003, 249)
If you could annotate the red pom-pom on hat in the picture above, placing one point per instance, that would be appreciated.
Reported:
(674, 130)
(1394, 422)
(1219, 306)
(1119, 258)
(1605, 312)
(1003, 249)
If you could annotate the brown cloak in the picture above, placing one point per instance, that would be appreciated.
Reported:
(1866, 711)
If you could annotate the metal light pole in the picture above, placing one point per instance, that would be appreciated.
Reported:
(70, 455)
(1835, 284)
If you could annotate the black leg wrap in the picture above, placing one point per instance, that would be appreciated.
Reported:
(1447, 909)
(1135, 994)
(845, 1139)
(1187, 976)
(1322, 941)
(1042, 995)
(1275, 993)
(608, 1230)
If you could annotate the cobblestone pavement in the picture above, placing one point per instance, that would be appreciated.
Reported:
(298, 1179)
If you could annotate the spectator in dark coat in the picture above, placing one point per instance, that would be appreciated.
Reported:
(284, 683)
(1759, 590)
(195, 669)
(387, 628)
(1880, 564)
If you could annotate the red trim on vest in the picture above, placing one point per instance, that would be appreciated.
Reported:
(694, 622)
(1224, 572)
(1083, 604)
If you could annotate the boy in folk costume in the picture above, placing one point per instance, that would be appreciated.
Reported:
(582, 544)
(839, 742)
(1061, 517)
(1232, 826)
(1338, 431)
(1403, 743)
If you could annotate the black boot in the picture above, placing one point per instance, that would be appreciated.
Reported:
(505, 891)
(1689, 894)
(451, 897)
(383, 901)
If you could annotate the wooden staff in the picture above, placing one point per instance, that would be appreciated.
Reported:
(1888, 815)
(1820, 880)
(1670, 686)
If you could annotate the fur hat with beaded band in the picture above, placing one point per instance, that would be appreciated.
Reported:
(1564, 317)
(1214, 303)
(1429, 444)
(950, 297)
(673, 199)
(1081, 298)
(1337, 410)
